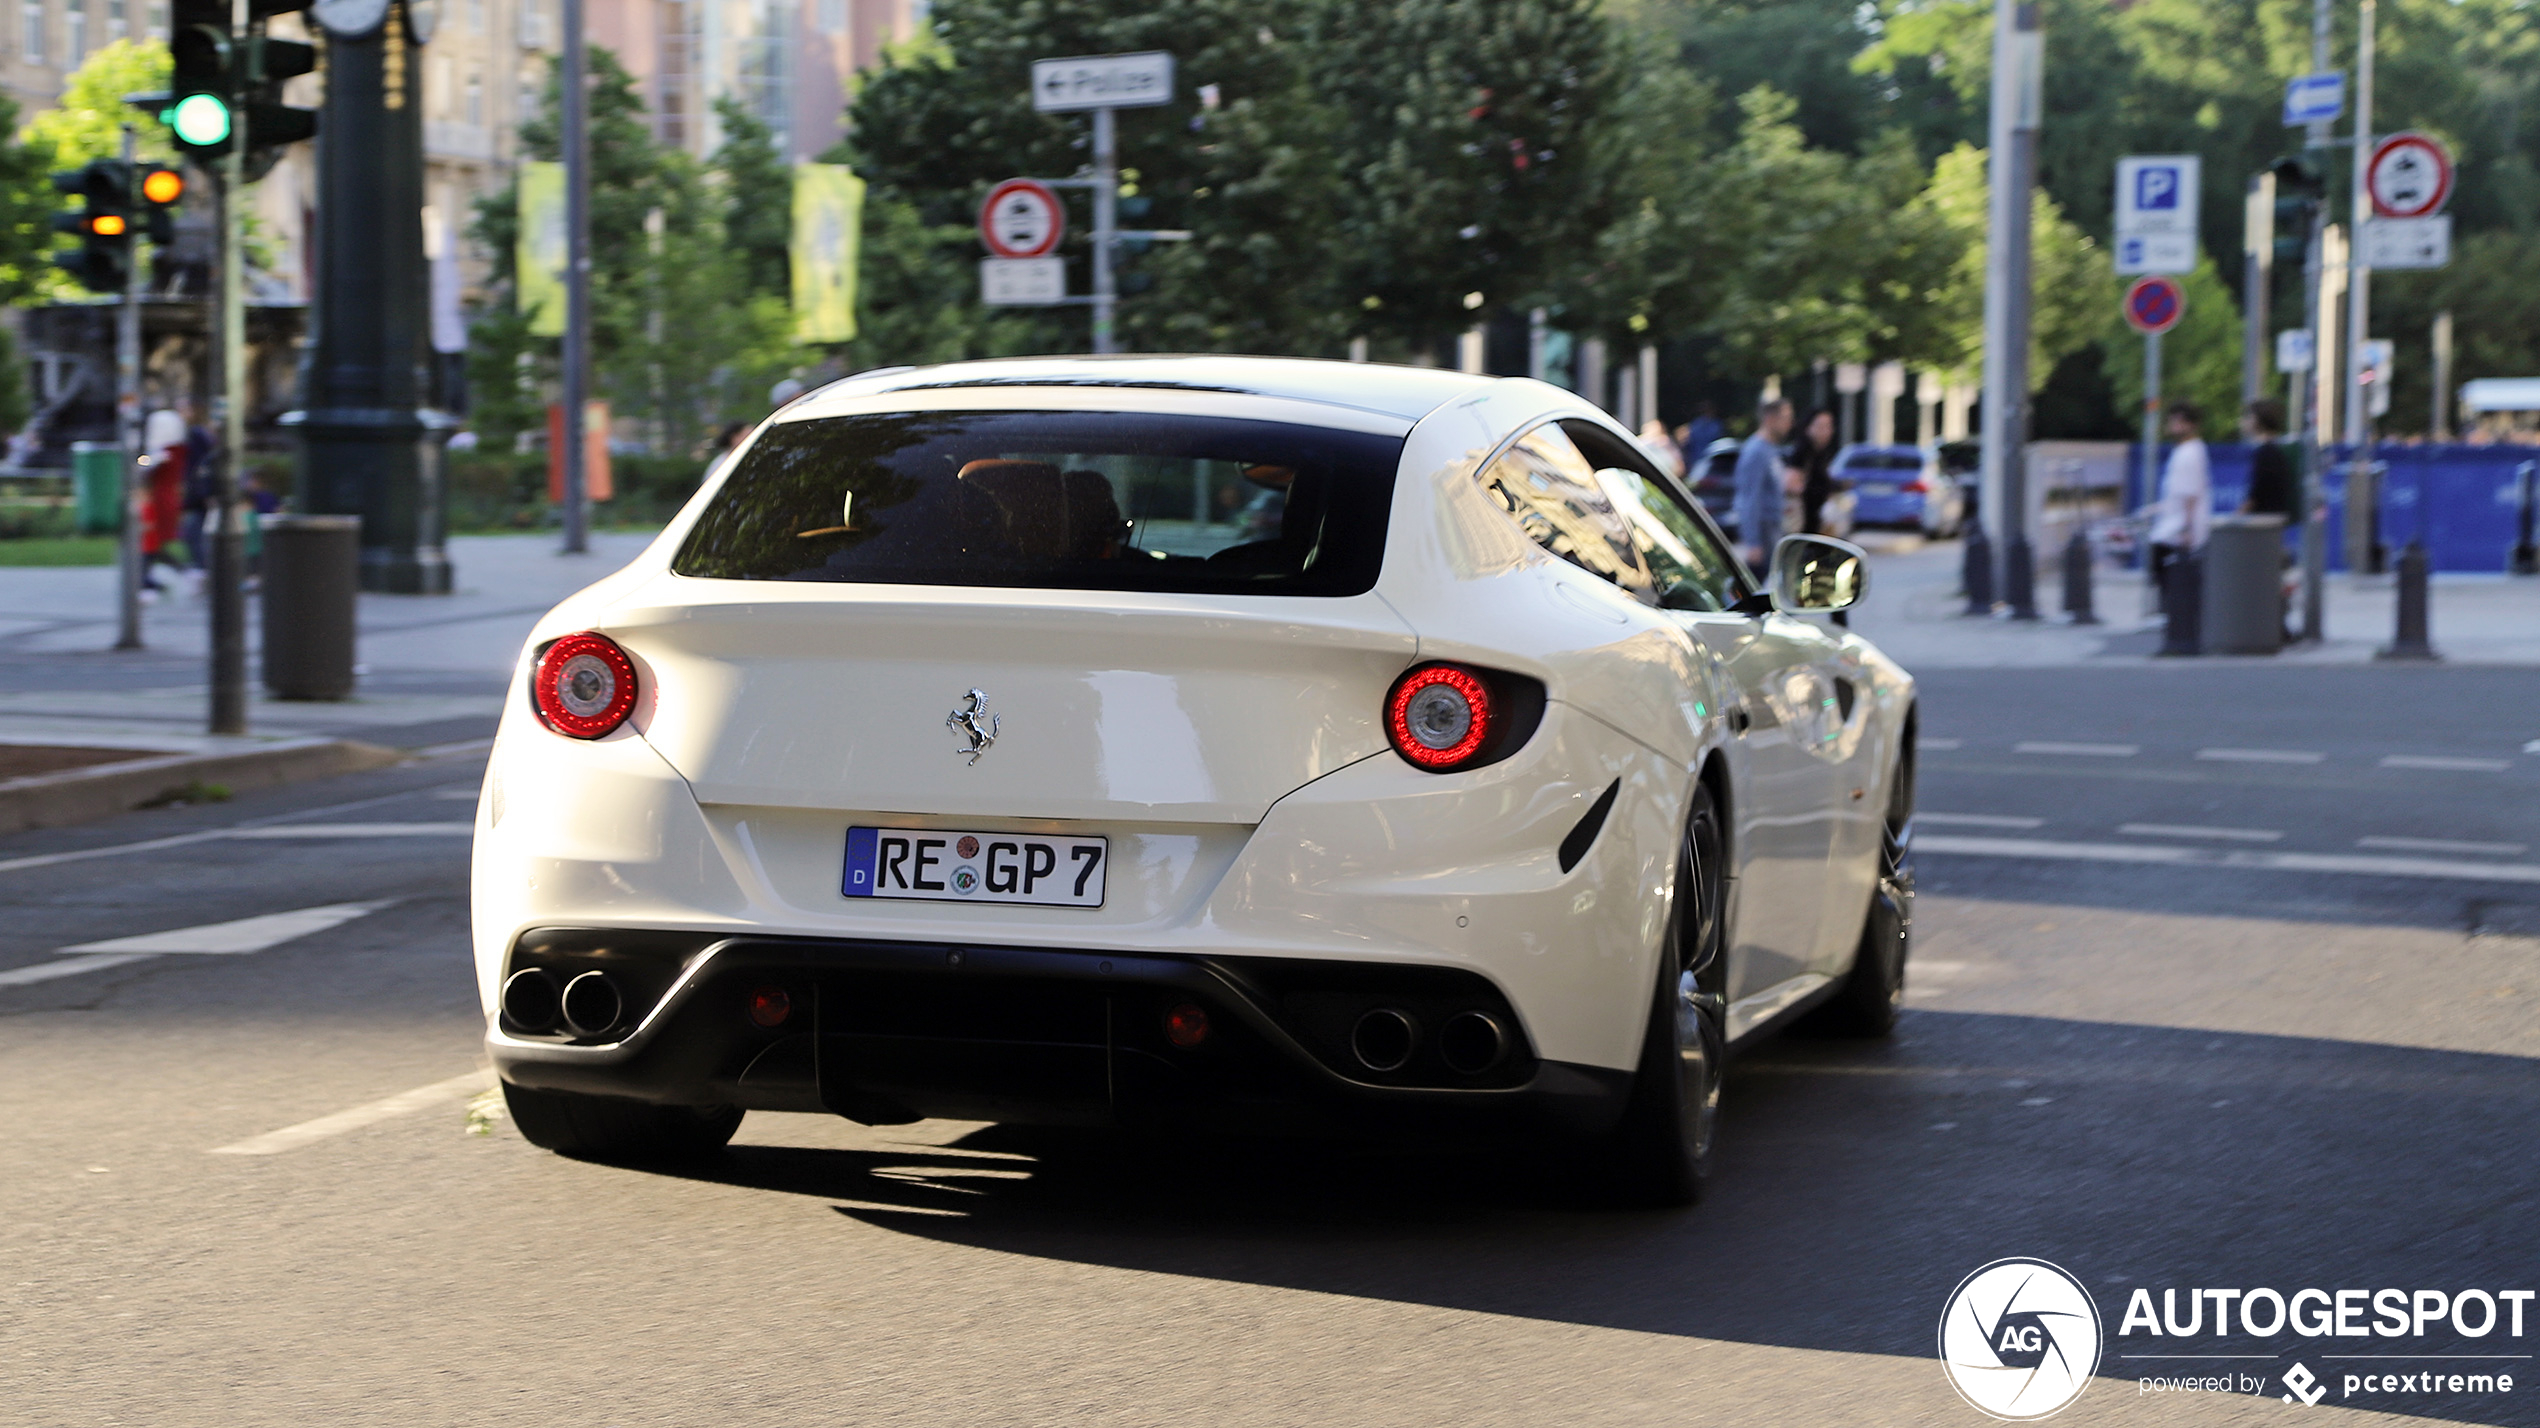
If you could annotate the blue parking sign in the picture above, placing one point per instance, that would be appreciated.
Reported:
(2155, 187)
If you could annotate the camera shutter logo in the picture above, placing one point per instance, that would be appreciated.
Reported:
(2019, 1339)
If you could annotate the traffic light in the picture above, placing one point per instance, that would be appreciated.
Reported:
(2299, 189)
(161, 189)
(228, 85)
(103, 225)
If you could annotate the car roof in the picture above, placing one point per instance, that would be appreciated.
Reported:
(1408, 393)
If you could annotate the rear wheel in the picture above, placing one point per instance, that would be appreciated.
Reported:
(1661, 1152)
(613, 1128)
(1875, 991)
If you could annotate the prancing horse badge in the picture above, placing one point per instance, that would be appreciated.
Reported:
(972, 721)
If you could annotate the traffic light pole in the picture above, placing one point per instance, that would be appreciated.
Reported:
(228, 539)
(128, 433)
(574, 106)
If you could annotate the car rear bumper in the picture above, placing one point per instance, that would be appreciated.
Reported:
(888, 1032)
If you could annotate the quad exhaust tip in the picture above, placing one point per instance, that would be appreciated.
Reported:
(1471, 1043)
(1383, 1039)
(591, 1004)
(531, 1001)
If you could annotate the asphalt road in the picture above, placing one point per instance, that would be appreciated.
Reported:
(2178, 1019)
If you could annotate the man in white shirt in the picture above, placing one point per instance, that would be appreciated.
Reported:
(2186, 507)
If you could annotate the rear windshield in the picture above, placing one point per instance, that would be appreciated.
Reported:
(1054, 500)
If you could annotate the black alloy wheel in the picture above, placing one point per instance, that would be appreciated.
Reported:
(1661, 1152)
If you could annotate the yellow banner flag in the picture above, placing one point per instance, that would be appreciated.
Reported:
(828, 228)
(538, 256)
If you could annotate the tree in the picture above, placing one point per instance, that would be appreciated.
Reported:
(87, 124)
(758, 198)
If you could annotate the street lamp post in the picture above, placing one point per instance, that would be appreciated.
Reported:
(2019, 52)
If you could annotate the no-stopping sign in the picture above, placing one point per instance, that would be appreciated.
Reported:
(1021, 219)
(2154, 305)
(2409, 177)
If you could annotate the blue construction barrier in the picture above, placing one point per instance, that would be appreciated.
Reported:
(2461, 501)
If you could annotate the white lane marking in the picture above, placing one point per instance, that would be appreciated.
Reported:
(2094, 751)
(1978, 820)
(208, 835)
(2532, 748)
(2231, 858)
(2441, 845)
(458, 795)
(358, 830)
(404, 1103)
(2445, 763)
(2193, 830)
(2260, 756)
(67, 967)
(247, 934)
(1955, 743)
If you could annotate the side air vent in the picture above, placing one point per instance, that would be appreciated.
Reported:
(1583, 837)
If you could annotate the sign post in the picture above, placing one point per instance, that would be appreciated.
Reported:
(1103, 85)
(2153, 305)
(2156, 213)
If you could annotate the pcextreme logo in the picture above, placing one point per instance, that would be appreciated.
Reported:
(2019, 1339)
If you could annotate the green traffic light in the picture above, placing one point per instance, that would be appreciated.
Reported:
(200, 119)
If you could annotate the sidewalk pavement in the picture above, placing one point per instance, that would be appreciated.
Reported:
(432, 668)
(1913, 613)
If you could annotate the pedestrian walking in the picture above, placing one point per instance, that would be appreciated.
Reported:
(2270, 465)
(1661, 447)
(1695, 437)
(1761, 481)
(1812, 456)
(162, 497)
(2185, 507)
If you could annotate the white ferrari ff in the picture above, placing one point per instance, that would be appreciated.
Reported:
(1198, 743)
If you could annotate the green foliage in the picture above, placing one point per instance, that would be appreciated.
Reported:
(86, 124)
(2200, 358)
(684, 336)
(16, 405)
(758, 197)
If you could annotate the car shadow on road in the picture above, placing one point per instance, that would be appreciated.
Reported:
(1858, 1184)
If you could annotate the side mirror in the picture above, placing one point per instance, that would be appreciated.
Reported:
(1817, 575)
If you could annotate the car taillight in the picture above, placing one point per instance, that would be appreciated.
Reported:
(585, 686)
(1916, 487)
(1438, 717)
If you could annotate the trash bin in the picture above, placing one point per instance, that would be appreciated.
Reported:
(97, 486)
(312, 568)
(2244, 586)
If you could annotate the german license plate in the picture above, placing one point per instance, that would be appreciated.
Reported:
(941, 865)
(1877, 488)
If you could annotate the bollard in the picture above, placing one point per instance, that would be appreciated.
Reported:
(311, 571)
(2410, 641)
(2077, 579)
(2526, 556)
(2182, 591)
(1976, 570)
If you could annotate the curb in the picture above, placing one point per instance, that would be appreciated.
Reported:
(83, 795)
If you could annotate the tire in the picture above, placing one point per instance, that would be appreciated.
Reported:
(1660, 1153)
(1874, 991)
(611, 1128)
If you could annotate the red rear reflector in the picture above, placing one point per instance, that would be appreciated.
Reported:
(584, 686)
(1438, 717)
(769, 1006)
(1186, 1025)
